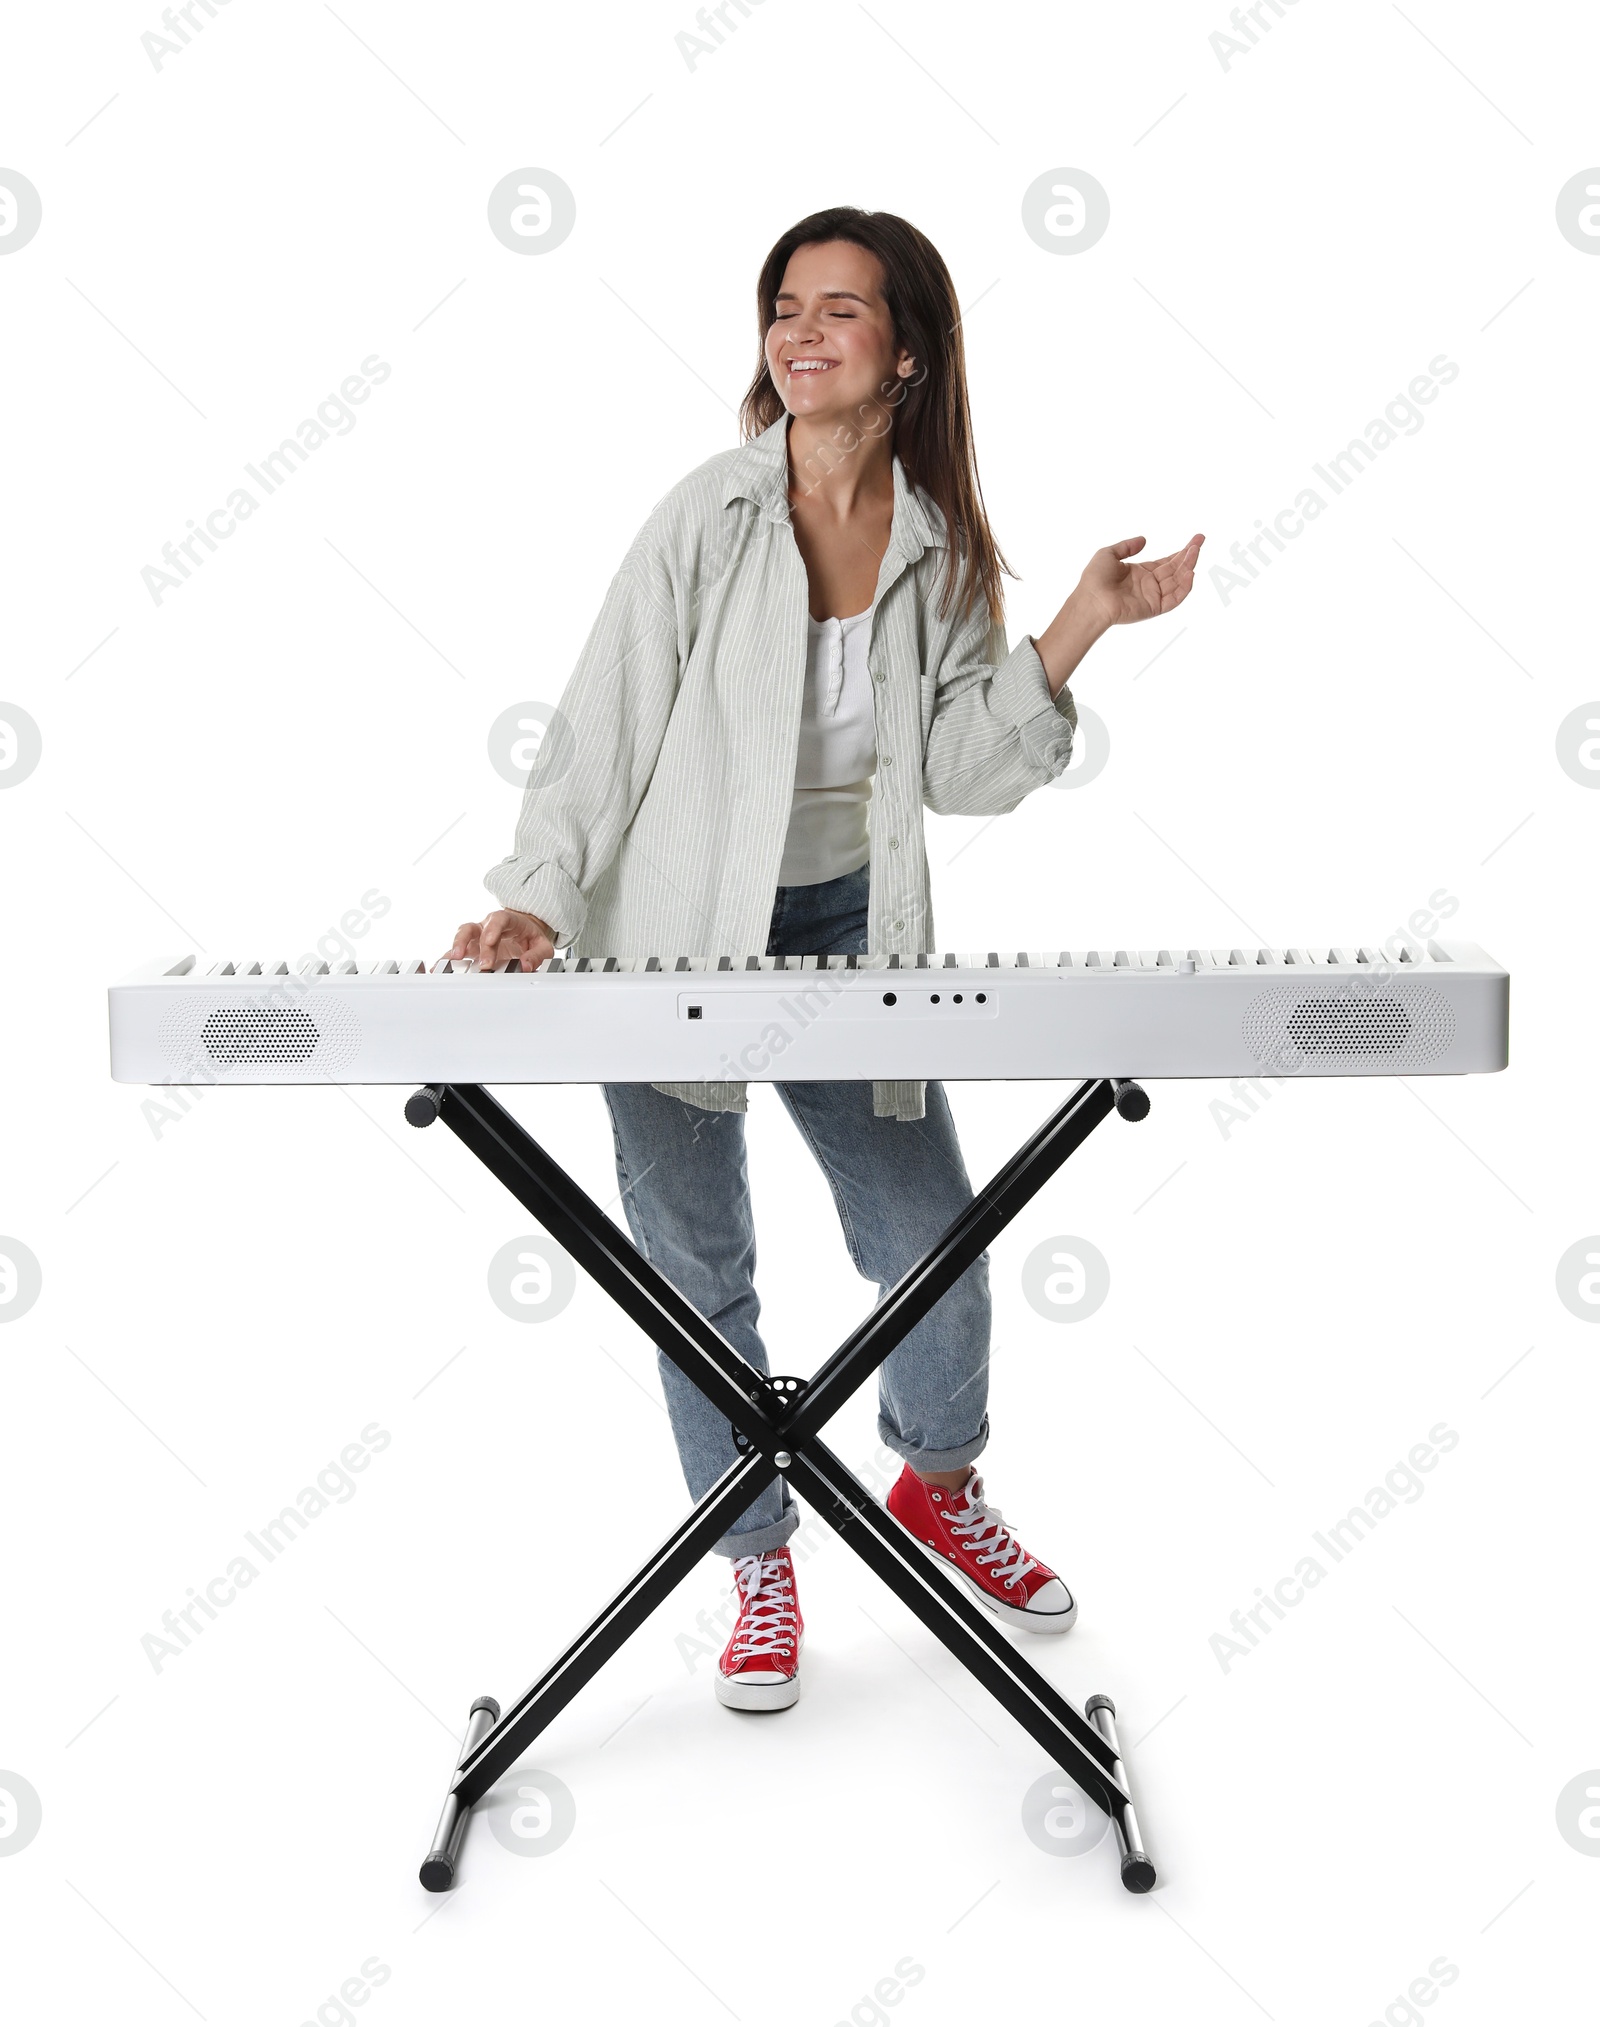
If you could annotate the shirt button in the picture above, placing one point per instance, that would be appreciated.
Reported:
(897, 925)
(894, 844)
(888, 760)
(878, 676)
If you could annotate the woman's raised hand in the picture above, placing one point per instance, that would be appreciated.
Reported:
(506, 934)
(1122, 591)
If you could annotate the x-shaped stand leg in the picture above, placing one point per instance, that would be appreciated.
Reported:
(777, 1422)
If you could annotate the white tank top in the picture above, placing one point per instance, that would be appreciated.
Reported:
(837, 756)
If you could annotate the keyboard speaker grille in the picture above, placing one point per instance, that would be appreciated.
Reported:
(1290, 1029)
(236, 1040)
(259, 1034)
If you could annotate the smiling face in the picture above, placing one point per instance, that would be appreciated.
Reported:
(831, 349)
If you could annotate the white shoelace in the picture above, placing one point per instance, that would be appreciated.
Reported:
(766, 1617)
(995, 1543)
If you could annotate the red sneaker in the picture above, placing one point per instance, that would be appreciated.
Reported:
(760, 1666)
(969, 1537)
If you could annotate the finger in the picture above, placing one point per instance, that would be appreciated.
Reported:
(1179, 557)
(1130, 547)
(466, 936)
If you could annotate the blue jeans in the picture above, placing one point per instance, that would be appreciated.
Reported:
(897, 1185)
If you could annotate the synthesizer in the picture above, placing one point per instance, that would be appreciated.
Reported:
(1424, 1008)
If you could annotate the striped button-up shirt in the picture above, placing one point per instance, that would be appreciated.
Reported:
(654, 821)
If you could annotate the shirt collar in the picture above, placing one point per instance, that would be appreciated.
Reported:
(759, 470)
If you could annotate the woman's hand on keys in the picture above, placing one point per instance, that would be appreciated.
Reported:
(506, 934)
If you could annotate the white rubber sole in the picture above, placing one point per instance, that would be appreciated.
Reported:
(734, 1693)
(1008, 1615)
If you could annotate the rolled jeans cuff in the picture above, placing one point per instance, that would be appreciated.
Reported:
(933, 1460)
(757, 1540)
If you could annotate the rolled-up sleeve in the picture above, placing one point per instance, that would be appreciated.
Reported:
(997, 733)
(596, 757)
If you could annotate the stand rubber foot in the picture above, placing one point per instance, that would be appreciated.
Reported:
(1138, 1874)
(438, 1869)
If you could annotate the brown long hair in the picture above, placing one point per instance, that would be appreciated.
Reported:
(932, 423)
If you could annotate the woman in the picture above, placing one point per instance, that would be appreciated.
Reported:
(803, 646)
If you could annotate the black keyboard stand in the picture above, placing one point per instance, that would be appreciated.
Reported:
(776, 1423)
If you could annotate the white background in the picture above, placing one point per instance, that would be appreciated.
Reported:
(231, 1296)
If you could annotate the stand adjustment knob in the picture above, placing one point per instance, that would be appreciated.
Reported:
(1132, 1100)
(422, 1107)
